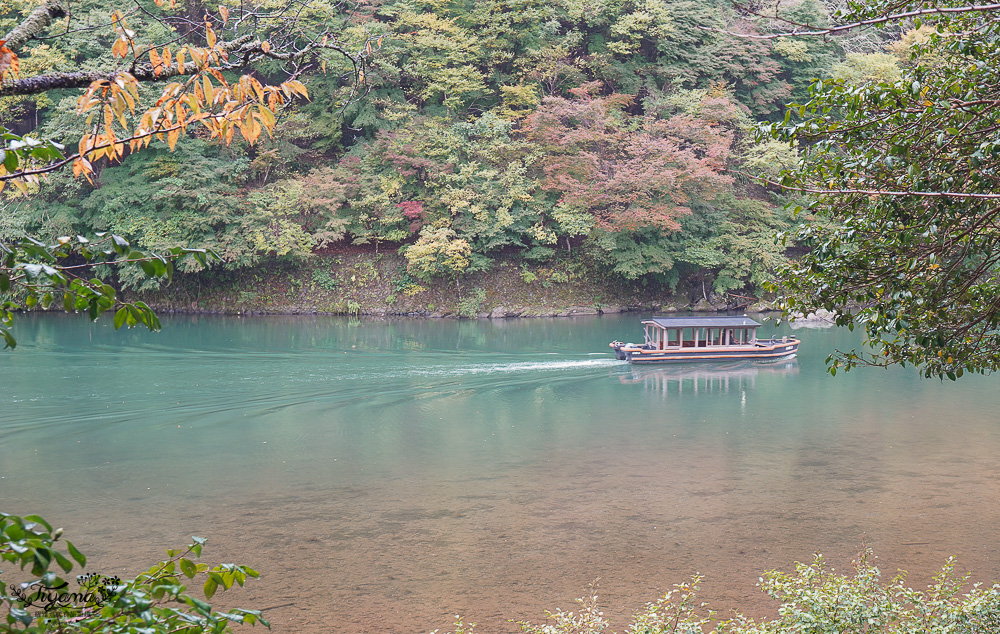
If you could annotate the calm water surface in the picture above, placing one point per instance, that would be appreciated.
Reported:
(384, 476)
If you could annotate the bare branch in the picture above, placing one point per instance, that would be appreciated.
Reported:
(245, 50)
(873, 192)
(863, 23)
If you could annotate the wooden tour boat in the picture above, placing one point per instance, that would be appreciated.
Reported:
(672, 339)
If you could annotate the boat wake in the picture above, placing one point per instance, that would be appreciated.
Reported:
(513, 367)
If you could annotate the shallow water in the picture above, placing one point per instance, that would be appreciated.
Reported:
(387, 475)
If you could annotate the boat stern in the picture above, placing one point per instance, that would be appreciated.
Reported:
(617, 347)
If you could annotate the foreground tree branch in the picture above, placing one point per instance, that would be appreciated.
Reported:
(905, 174)
(205, 71)
(205, 96)
(814, 31)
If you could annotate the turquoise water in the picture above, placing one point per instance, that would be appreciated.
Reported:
(387, 475)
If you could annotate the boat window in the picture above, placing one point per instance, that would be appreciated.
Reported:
(687, 335)
(673, 337)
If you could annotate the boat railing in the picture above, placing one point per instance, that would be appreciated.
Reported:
(774, 340)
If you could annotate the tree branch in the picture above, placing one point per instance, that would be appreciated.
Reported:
(876, 192)
(37, 20)
(863, 23)
(247, 49)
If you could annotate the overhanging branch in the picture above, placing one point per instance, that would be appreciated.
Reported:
(246, 49)
(874, 192)
(862, 23)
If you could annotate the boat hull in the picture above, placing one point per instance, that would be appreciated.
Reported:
(770, 350)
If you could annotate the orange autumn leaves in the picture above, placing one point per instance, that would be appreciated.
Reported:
(203, 97)
(9, 63)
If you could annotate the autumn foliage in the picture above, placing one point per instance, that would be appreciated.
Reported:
(626, 172)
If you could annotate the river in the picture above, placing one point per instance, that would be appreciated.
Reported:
(385, 476)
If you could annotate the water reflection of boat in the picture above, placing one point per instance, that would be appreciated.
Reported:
(698, 377)
(687, 339)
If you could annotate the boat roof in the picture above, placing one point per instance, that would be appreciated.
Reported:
(702, 322)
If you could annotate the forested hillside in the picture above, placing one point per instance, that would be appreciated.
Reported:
(616, 134)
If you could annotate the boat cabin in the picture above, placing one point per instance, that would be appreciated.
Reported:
(674, 333)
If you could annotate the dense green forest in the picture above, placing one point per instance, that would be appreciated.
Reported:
(615, 133)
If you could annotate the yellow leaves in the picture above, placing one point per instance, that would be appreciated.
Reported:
(218, 75)
(82, 166)
(293, 86)
(124, 42)
(161, 62)
(109, 119)
(120, 48)
(266, 116)
(208, 91)
(210, 35)
(154, 59)
(247, 107)
(172, 137)
(8, 62)
(199, 56)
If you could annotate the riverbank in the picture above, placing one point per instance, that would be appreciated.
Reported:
(353, 281)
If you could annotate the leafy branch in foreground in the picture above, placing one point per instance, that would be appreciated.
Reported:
(156, 601)
(814, 600)
(195, 49)
(905, 173)
(47, 274)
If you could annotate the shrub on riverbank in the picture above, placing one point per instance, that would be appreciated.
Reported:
(814, 600)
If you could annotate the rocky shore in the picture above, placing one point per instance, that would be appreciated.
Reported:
(378, 285)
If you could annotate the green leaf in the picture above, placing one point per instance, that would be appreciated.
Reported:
(8, 339)
(120, 317)
(21, 615)
(188, 568)
(76, 554)
(64, 563)
(210, 587)
(120, 244)
(41, 561)
(38, 519)
(10, 161)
